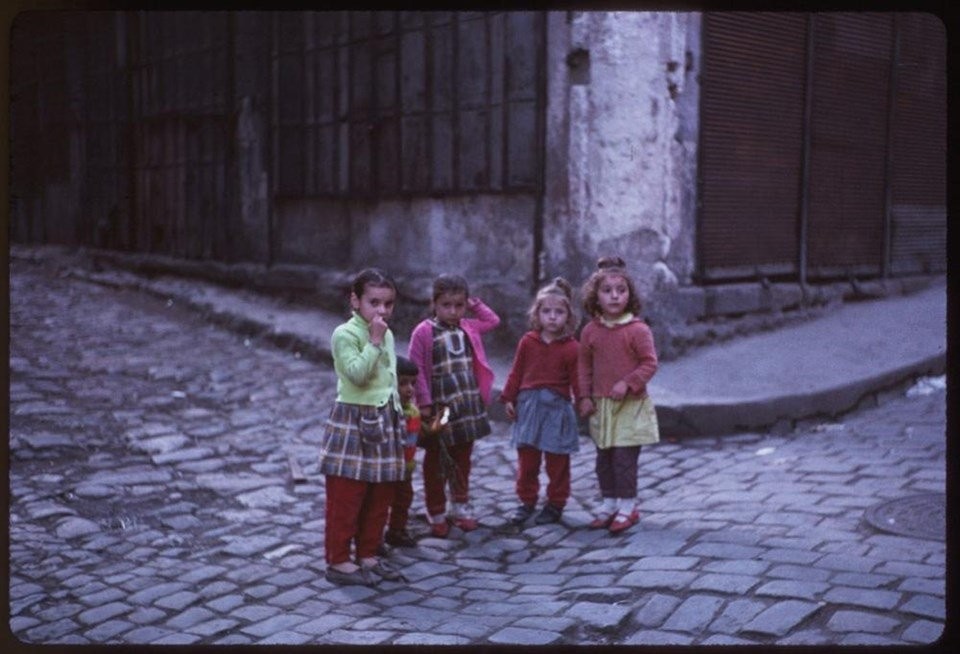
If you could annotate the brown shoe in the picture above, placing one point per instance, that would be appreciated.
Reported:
(359, 577)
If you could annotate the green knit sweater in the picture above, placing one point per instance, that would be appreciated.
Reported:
(366, 374)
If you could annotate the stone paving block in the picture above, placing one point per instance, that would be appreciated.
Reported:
(213, 627)
(792, 588)
(350, 637)
(736, 614)
(292, 597)
(724, 583)
(145, 635)
(904, 569)
(780, 618)
(845, 563)
(102, 597)
(522, 636)
(146, 615)
(273, 624)
(926, 605)
(176, 639)
(656, 610)
(284, 638)
(647, 637)
(153, 592)
(861, 580)
(925, 586)
(226, 603)
(260, 591)
(103, 613)
(255, 613)
(192, 616)
(665, 563)
(600, 616)
(430, 639)
(860, 621)
(323, 624)
(234, 639)
(694, 613)
(57, 611)
(876, 599)
(724, 551)
(105, 631)
(672, 580)
(790, 556)
(202, 573)
(800, 573)
(723, 639)
(51, 631)
(923, 631)
(177, 601)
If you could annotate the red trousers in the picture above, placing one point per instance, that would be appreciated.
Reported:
(435, 496)
(528, 476)
(356, 513)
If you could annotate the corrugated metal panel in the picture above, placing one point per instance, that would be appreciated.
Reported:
(848, 142)
(751, 142)
(918, 170)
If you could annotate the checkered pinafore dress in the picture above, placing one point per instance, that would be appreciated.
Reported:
(452, 383)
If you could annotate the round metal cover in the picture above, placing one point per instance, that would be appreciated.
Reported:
(919, 516)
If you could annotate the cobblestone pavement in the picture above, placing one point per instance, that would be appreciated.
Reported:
(151, 503)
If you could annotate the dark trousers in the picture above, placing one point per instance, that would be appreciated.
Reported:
(403, 493)
(617, 471)
(356, 513)
(435, 495)
(528, 476)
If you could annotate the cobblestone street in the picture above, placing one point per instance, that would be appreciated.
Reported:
(151, 502)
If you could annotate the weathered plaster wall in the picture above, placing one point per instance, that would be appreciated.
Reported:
(621, 151)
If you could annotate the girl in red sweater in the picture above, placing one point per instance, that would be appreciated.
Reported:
(537, 396)
(617, 360)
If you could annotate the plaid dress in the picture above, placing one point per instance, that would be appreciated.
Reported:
(364, 443)
(452, 383)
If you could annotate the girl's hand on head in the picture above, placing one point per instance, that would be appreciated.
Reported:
(619, 390)
(586, 407)
(511, 410)
(378, 327)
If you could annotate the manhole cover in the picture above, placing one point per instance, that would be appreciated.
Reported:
(919, 516)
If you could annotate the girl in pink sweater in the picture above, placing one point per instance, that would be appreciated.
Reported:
(455, 374)
(617, 360)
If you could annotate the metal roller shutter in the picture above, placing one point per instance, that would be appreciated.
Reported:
(848, 142)
(752, 105)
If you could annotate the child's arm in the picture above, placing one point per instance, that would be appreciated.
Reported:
(420, 351)
(485, 318)
(355, 359)
(585, 374)
(512, 387)
(573, 372)
(642, 346)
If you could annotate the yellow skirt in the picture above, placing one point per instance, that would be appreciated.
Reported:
(618, 423)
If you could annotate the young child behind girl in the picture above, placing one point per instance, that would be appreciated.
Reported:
(538, 396)
(397, 534)
(454, 373)
(617, 361)
(361, 454)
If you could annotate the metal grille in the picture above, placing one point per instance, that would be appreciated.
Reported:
(383, 104)
(751, 142)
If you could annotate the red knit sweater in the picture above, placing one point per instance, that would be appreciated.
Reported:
(611, 354)
(537, 364)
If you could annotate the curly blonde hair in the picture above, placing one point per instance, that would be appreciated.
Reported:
(608, 267)
(558, 288)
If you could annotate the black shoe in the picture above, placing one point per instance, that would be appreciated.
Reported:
(521, 513)
(359, 577)
(399, 538)
(549, 515)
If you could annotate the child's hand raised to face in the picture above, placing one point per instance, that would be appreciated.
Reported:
(378, 327)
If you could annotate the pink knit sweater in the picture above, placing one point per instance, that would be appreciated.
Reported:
(611, 354)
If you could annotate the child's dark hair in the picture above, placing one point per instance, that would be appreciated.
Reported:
(608, 266)
(406, 367)
(371, 277)
(559, 288)
(447, 283)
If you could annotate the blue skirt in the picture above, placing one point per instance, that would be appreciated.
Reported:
(546, 421)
